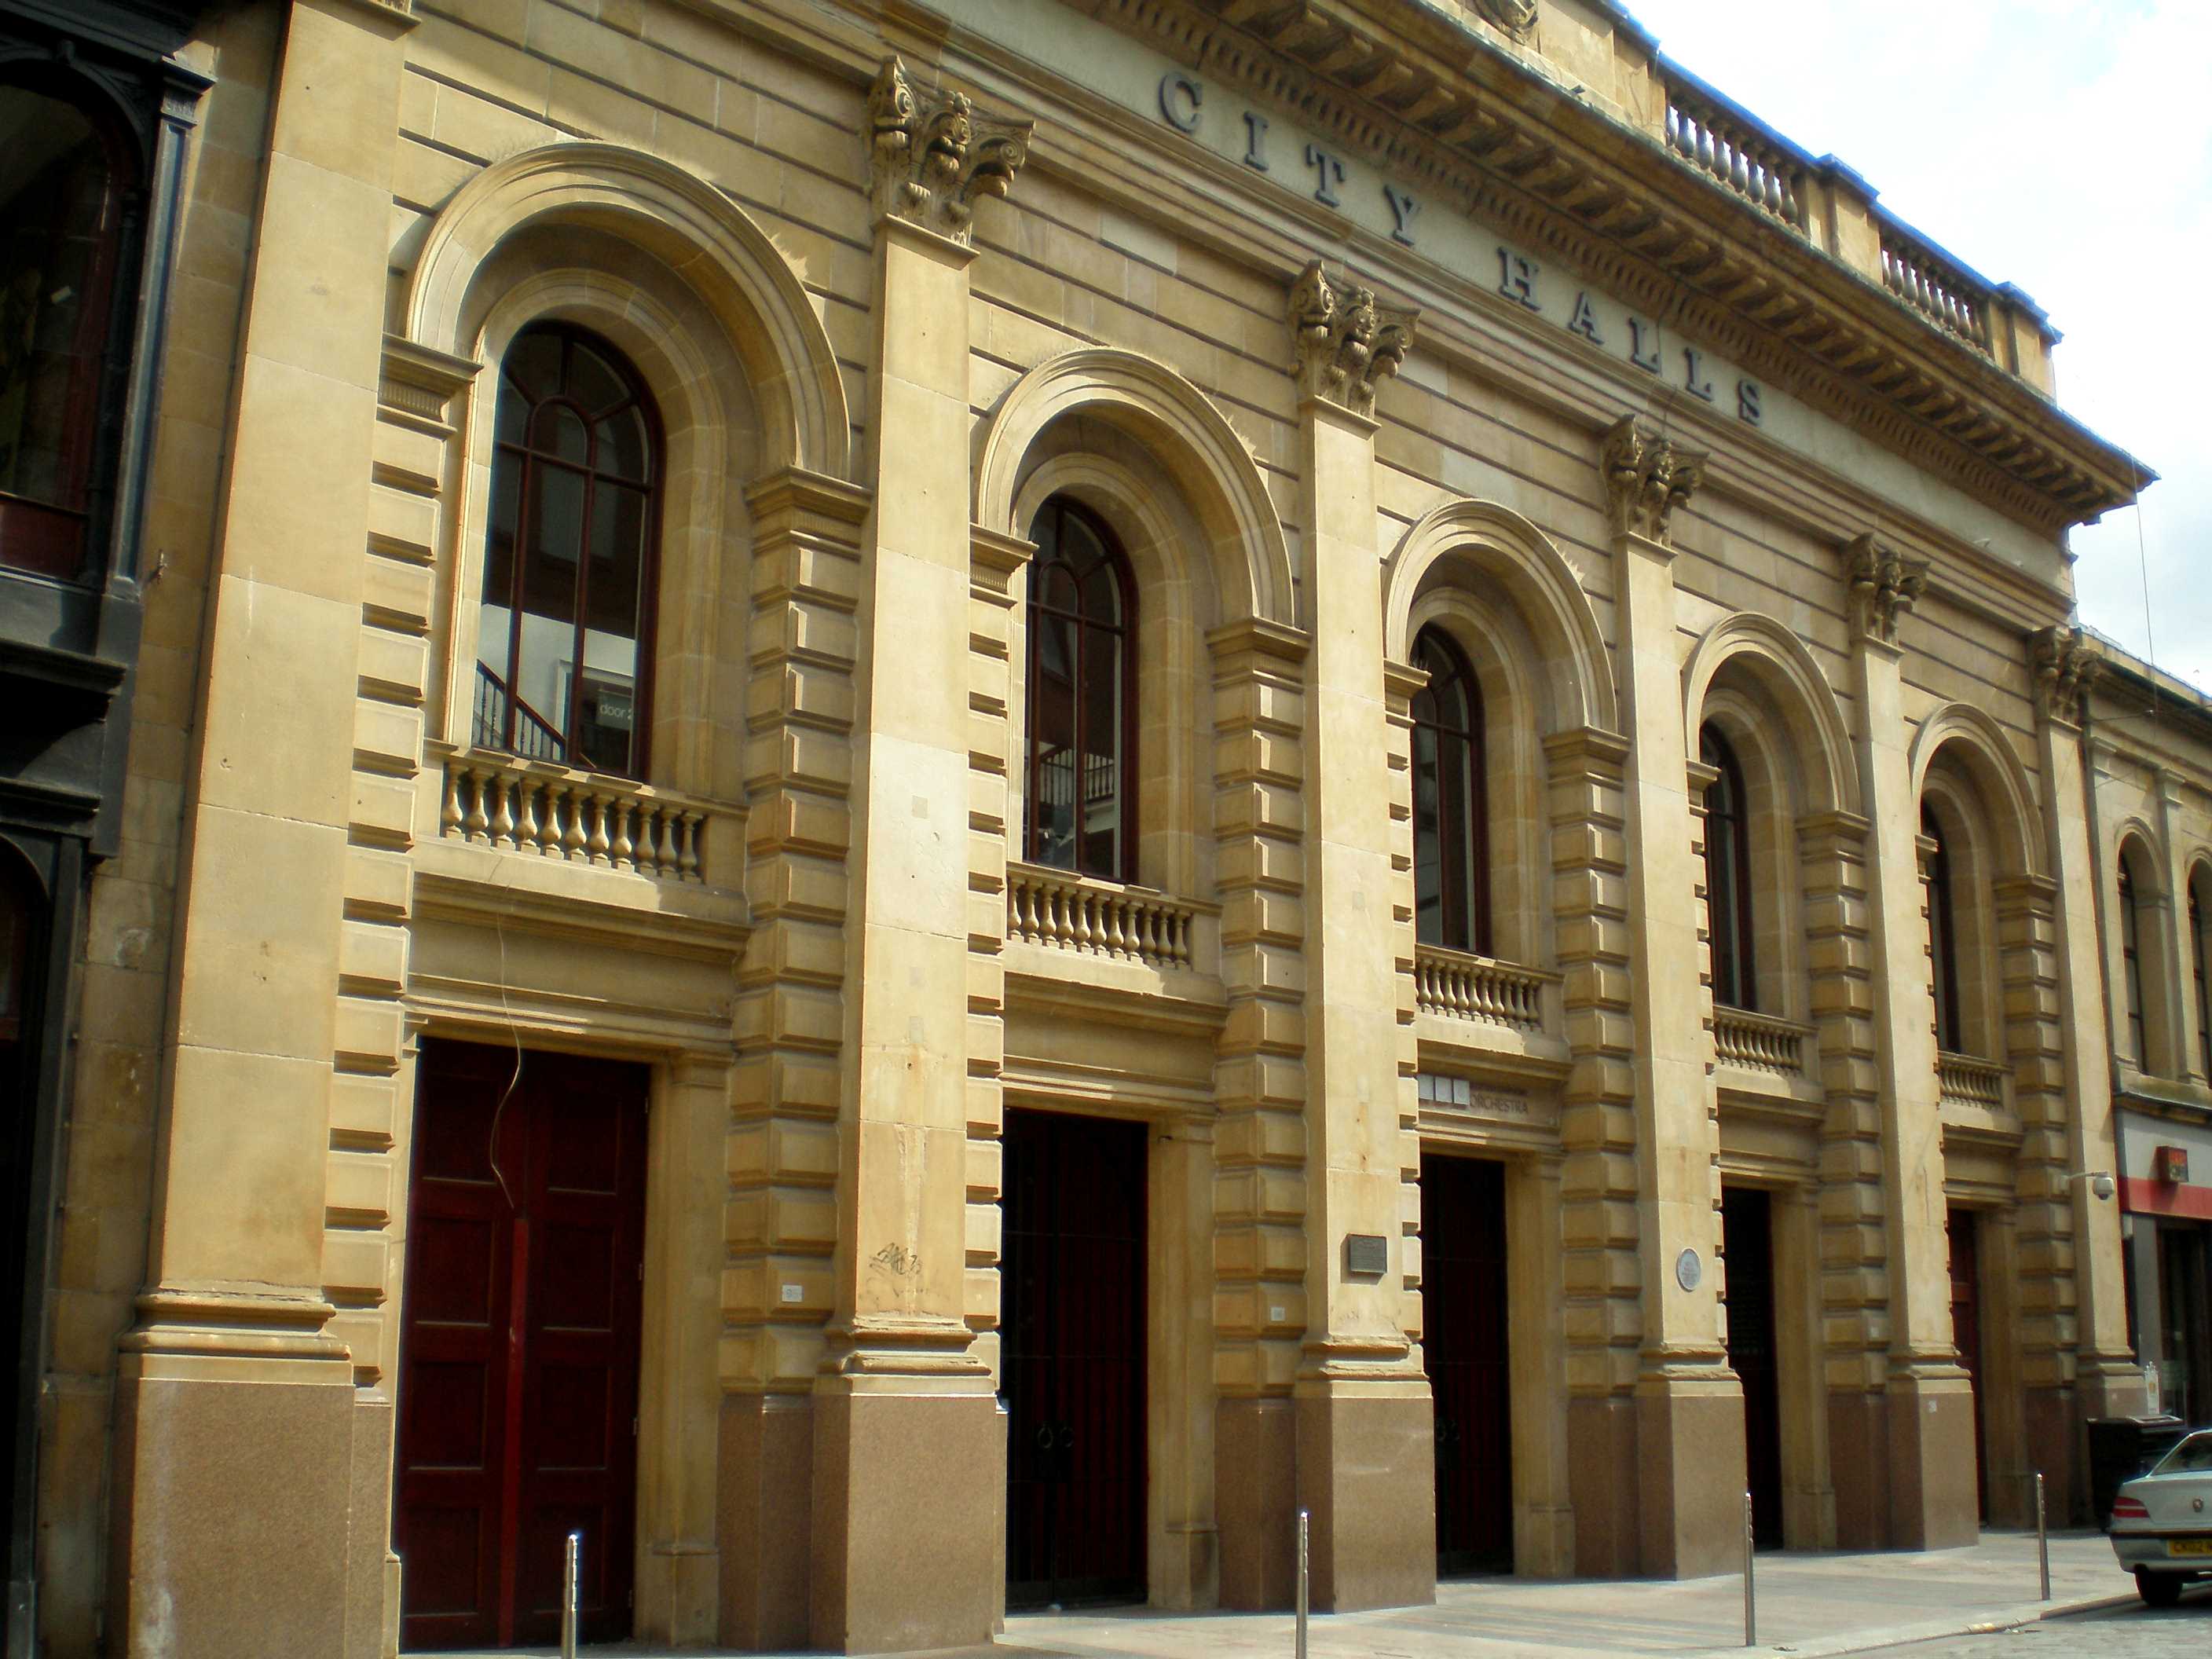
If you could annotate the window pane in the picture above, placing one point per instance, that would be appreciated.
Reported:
(1051, 740)
(593, 381)
(1102, 594)
(533, 363)
(617, 561)
(624, 448)
(1101, 755)
(549, 605)
(558, 430)
(1428, 844)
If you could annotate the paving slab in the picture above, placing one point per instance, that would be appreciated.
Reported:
(1809, 1607)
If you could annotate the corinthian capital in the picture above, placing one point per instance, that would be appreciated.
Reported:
(1646, 478)
(1883, 585)
(1344, 344)
(2066, 664)
(930, 160)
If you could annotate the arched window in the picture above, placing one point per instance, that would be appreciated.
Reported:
(1943, 940)
(63, 179)
(1082, 697)
(2131, 964)
(1451, 862)
(563, 652)
(2200, 950)
(1727, 874)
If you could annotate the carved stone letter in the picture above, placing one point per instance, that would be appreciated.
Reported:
(2066, 664)
(1646, 478)
(930, 161)
(1884, 586)
(1344, 345)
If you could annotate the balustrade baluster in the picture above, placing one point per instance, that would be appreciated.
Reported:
(477, 824)
(503, 817)
(623, 851)
(449, 814)
(692, 864)
(526, 829)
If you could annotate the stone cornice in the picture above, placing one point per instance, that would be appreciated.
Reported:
(1412, 92)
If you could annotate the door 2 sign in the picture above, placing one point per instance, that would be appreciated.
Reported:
(1183, 106)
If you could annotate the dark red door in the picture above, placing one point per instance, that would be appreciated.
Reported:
(1966, 1326)
(519, 1360)
(1463, 1336)
(1748, 1240)
(1072, 1357)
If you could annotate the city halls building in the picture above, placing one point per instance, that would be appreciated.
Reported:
(923, 803)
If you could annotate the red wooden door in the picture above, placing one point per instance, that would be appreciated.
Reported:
(1072, 1357)
(1966, 1326)
(1747, 1239)
(1463, 1345)
(519, 1357)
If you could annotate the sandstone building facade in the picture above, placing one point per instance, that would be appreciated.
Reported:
(950, 796)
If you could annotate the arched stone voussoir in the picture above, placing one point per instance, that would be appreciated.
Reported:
(702, 235)
(1786, 670)
(1511, 551)
(1181, 427)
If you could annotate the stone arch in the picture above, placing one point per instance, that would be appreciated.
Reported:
(701, 235)
(1777, 662)
(1983, 751)
(1493, 541)
(1180, 428)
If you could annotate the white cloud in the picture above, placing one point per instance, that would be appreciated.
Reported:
(2063, 145)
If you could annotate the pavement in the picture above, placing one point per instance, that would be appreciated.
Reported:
(1811, 1606)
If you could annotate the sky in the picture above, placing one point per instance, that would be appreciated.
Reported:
(2064, 146)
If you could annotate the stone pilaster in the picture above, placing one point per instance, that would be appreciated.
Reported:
(284, 1080)
(1689, 1407)
(905, 1423)
(780, 1226)
(1601, 1261)
(1365, 1455)
(1259, 1092)
(1932, 1502)
(2079, 1115)
(1854, 1281)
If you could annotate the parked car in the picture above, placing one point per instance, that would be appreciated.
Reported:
(2162, 1521)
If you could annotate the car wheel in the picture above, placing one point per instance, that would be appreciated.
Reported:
(2158, 1590)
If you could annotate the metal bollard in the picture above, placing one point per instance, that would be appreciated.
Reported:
(569, 1573)
(1304, 1523)
(1750, 1596)
(2042, 1536)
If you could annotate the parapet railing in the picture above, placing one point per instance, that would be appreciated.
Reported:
(1760, 1042)
(1940, 289)
(1735, 148)
(1462, 986)
(1074, 913)
(557, 811)
(1970, 1082)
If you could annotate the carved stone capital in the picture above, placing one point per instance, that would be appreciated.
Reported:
(1344, 344)
(2066, 664)
(1646, 478)
(930, 159)
(1883, 585)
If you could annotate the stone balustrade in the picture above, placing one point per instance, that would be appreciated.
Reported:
(1760, 1042)
(1460, 986)
(1734, 148)
(1948, 296)
(1074, 913)
(1962, 1080)
(586, 818)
